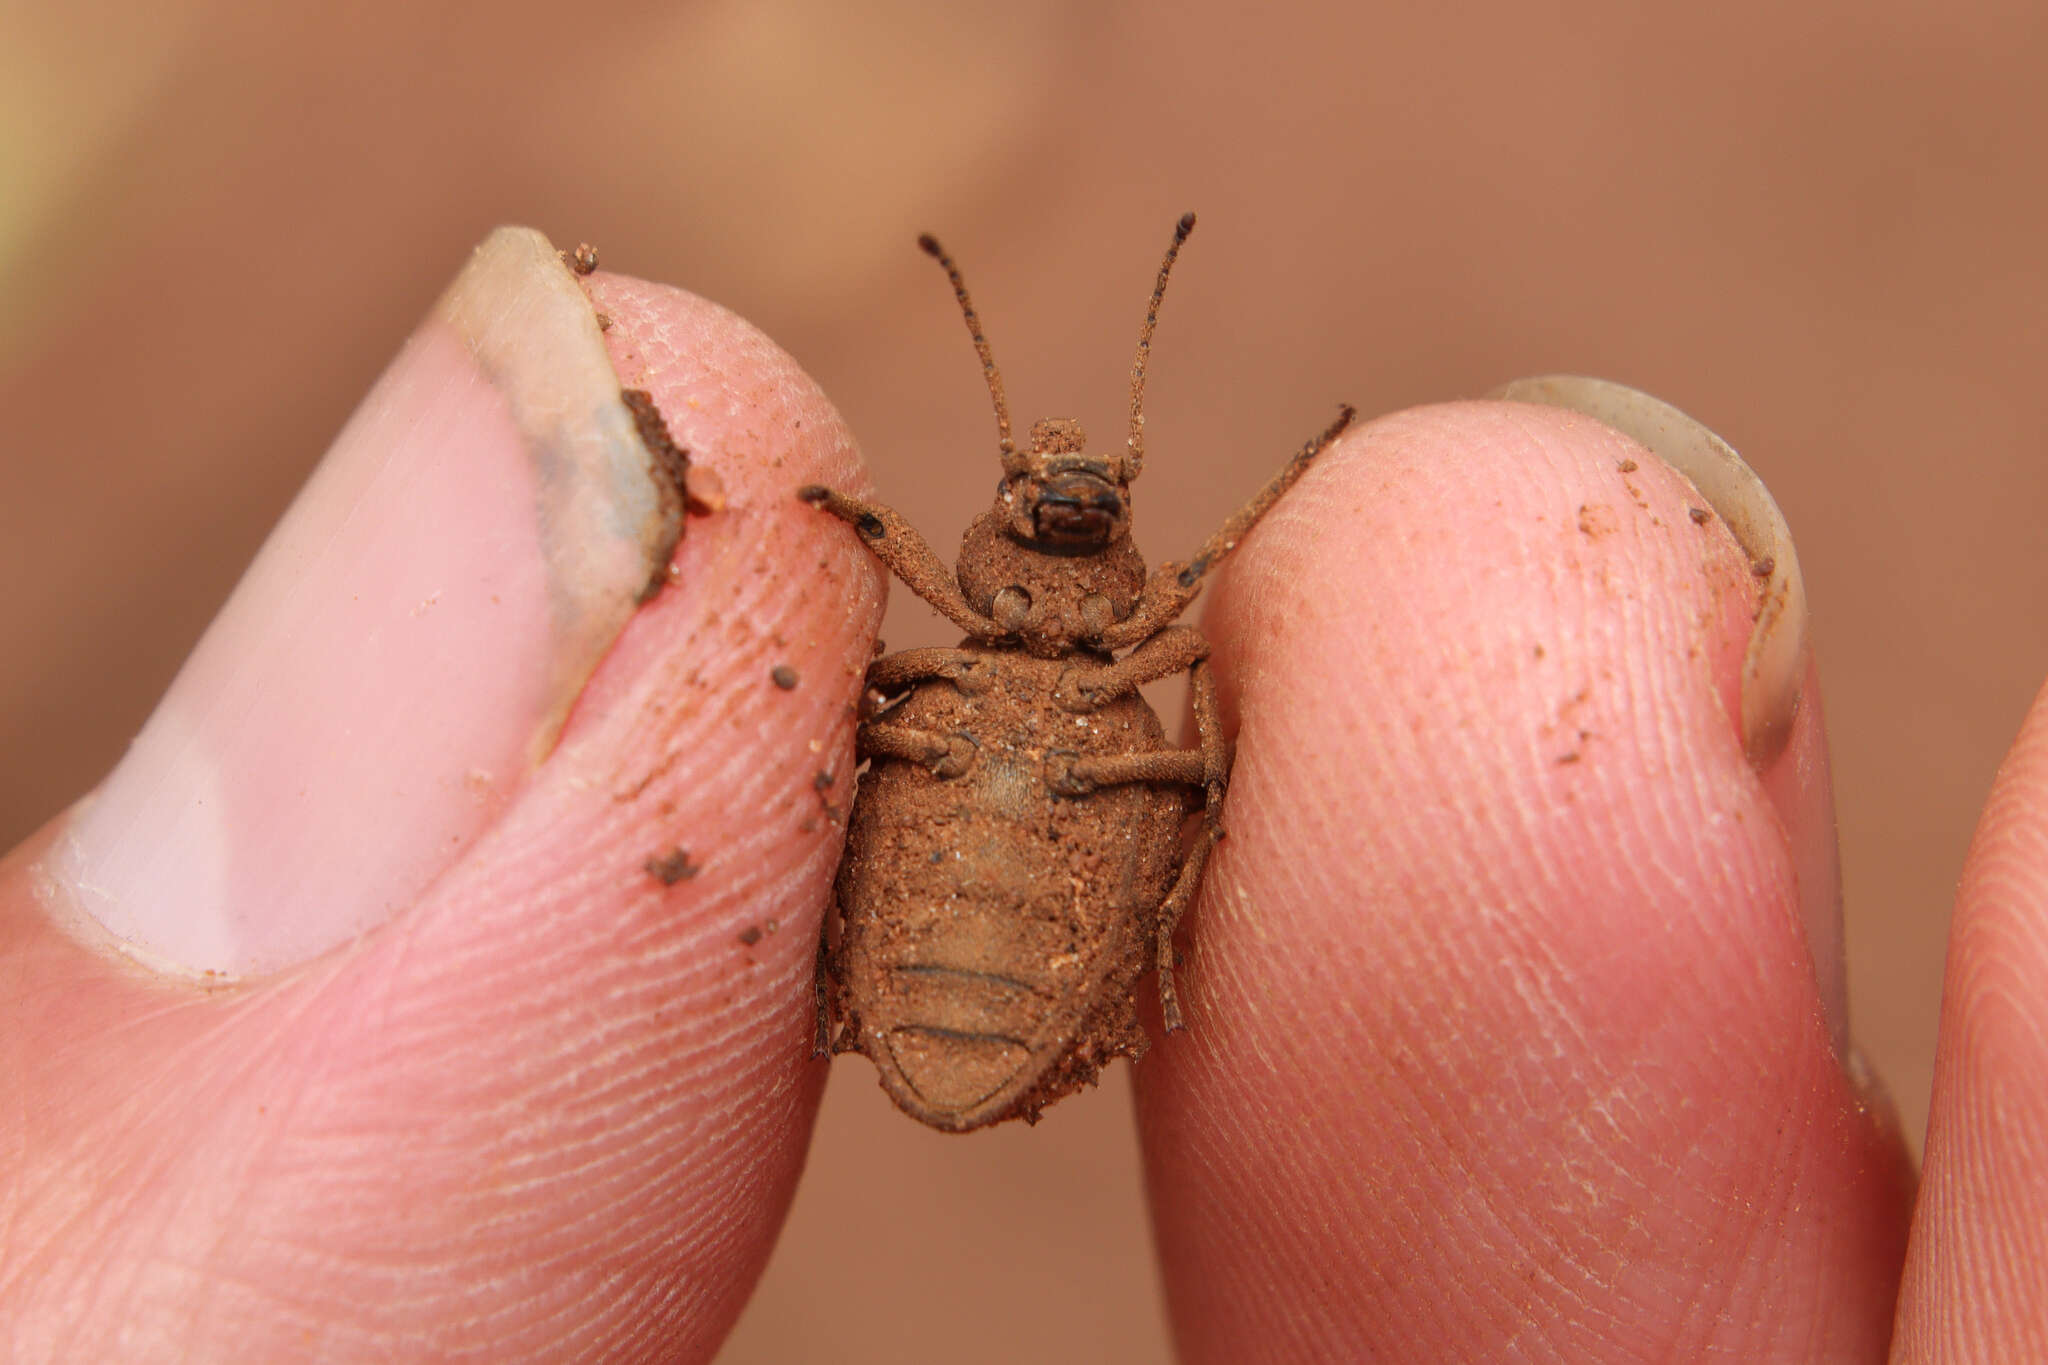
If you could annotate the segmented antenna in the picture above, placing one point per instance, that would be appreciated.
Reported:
(930, 245)
(1134, 464)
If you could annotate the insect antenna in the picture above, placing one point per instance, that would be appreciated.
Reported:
(1012, 463)
(1134, 463)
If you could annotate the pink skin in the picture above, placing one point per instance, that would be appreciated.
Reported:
(1552, 998)
(1980, 1235)
(1506, 1041)
(554, 1108)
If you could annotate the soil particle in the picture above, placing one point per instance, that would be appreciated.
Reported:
(703, 490)
(784, 677)
(671, 470)
(751, 935)
(671, 459)
(1700, 515)
(671, 867)
(604, 322)
(1628, 466)
(583, 260)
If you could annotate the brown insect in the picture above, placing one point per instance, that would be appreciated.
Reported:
(1014, 856)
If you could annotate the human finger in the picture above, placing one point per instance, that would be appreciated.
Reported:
(431, 977)
(1515, 1029)
(1976, 1285)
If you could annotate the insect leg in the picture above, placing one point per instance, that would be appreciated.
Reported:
(838, 1026)
(1084, 687)
(1170, 910)
(1215, 749)
(1172, 586)
(1206, 766)
(946, 755)
(1240, 524)
(1069, 774)
(821, 991)
(1215, 780)
(893, 541)
(965, 668)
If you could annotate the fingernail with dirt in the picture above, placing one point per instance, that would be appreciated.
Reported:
(403, 649)
(1781, 727)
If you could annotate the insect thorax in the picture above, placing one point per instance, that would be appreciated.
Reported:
(1070, 597)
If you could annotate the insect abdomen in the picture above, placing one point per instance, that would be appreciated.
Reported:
(966, 977)
(986, 920)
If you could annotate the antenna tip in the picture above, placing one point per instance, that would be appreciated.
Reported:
(1184, 226)
(929, 244)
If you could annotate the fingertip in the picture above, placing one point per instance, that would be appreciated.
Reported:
(1976, 1283)
(1502, 964)
(560, 1091)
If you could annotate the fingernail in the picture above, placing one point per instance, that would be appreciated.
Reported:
(1779, 687)
(1774, 666)
(404, 648)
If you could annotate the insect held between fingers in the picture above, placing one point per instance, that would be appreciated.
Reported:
(1014, 860)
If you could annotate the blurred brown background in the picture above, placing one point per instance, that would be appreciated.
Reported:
(1820, 229)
